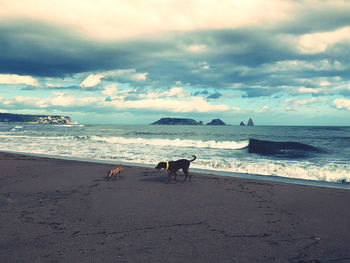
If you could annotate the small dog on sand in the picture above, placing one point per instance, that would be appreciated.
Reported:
(116, 171)
(173, 166)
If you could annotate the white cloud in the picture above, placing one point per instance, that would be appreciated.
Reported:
(324, 83)
(192, 104)
(307, 90)
(176, 92)
(124, 19)
(264, 108)
(196, 48)
(109, 90)
(61, 99)
(319, 42)
(295, 103)
(17, 79)
(91, 81)
(342, 104)
(140, 76)
(305, 101)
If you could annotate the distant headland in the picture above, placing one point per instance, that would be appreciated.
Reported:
(43, 119)
(188, 121)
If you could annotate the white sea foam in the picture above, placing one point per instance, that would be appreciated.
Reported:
(233, 145)
(68, 125)
(301, 170)
(16, 128)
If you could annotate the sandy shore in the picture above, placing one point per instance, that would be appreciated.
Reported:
(66, 211)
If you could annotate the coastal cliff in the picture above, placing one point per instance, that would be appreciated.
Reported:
(46, 119)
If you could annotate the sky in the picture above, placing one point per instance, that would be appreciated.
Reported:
(281, 62)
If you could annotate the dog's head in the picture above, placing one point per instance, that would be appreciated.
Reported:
(161, 165)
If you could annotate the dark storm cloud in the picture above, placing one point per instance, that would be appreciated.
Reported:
(37, 49)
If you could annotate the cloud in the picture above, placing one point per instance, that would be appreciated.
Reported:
(140, 76)
(263, 108)
(134, 18)
(29, 47)
(263, 61)
(110, 90)
(342, 104)
(91, 81)
(192, 104)
(196, 48)
(176, 92)
(175, 100)
(307, 90)
(122, 75)
(204, 92)
(17, 79)
(215, 95)
(319, 42)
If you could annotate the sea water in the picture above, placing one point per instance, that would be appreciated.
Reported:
(222, 149)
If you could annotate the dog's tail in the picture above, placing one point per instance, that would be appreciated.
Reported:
(193, 158)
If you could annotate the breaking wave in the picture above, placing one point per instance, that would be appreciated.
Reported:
(233, 145)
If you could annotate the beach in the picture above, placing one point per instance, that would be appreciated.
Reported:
(56, 210)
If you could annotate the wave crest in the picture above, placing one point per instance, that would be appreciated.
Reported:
(233, 145)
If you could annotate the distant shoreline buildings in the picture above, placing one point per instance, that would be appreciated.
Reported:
(42, 119)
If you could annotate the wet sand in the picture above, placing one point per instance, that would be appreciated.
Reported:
(55, 210)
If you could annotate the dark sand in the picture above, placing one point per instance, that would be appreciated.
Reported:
(66, 211)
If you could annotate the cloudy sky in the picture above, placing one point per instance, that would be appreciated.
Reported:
(134, 61)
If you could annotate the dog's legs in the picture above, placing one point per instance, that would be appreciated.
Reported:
(187, 174)
(169, 174)
(175, 177)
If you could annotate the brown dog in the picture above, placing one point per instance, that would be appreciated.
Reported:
(116, 171)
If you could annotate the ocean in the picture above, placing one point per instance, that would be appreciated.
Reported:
(312, 153)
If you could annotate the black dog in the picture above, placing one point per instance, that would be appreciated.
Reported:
(173, 166)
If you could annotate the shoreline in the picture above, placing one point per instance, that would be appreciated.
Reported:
(55, 210)
(271, 178)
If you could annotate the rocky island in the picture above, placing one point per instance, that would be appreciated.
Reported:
(176, 121)
(44, 119)
(249, 123)
(186, 121)
(217, 122)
